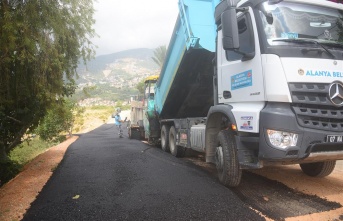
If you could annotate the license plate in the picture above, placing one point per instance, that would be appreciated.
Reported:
(334, 138)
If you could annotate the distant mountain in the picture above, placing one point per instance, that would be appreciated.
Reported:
(100, 63)
(113, 77)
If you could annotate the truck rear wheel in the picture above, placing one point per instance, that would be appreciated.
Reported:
(165, 138)
(319, 169)
(227, 163)
(175, 150)
(134, 134)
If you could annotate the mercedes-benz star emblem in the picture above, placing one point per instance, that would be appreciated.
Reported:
(336, 93)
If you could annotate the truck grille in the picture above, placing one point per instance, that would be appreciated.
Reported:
(313, 108)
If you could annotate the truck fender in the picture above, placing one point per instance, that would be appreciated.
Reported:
(219, 117)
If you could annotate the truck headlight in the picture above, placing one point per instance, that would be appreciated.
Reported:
(282, 139)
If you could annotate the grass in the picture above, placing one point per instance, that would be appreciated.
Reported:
(25, 152)
(20, 156)
(92, 113)
(104, 112)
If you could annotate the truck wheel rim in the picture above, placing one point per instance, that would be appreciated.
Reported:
(219, 158)
(163, 139)
(171, 144)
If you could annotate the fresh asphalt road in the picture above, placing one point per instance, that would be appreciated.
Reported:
(104, 177)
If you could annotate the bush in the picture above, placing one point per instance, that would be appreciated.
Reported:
(59, 119)
(8, 170)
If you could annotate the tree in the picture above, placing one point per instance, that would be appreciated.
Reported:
(59, 118)
(86, 91)
(41, 43)
(159, 55)
(141, 87)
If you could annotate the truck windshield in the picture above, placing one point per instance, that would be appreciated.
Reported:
(150, 89)
(289, 20)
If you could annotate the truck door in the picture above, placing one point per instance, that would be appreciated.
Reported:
(240, 77)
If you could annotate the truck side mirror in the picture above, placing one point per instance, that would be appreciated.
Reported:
(230, 29)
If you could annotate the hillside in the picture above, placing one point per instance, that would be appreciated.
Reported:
(100, 63)
(109, 78)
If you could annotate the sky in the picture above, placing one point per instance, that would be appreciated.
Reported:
(130, 24)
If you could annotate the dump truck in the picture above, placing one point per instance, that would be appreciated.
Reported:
(141, 106)
(135, 125)
(253, 83)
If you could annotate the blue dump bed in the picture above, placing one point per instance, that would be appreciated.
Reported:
(185, 86)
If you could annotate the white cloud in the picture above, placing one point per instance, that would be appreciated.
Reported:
(129, 24)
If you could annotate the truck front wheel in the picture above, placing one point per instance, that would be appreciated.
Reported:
(227, 164)
(319, 169)
(165, 138)
(175, 150)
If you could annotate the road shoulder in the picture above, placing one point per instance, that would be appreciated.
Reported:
(17, 195)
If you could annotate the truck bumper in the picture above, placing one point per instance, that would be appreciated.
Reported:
(311, 144)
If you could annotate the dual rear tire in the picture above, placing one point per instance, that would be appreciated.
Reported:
(165, 138)
(229, 172)
(175, 150)
(134, 134)
(168, 141)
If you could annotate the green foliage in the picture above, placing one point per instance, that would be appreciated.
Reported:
(141, 86)
(8, 170)
(103, 112)
(41, 43)
(106, 92)
(86, 91)
(26, 151)
(60, 118)
(101, 108)
(160, 55)
(89, 114)
(19, 156)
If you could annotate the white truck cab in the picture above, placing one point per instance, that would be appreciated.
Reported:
(253, 83)
(280, 85)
